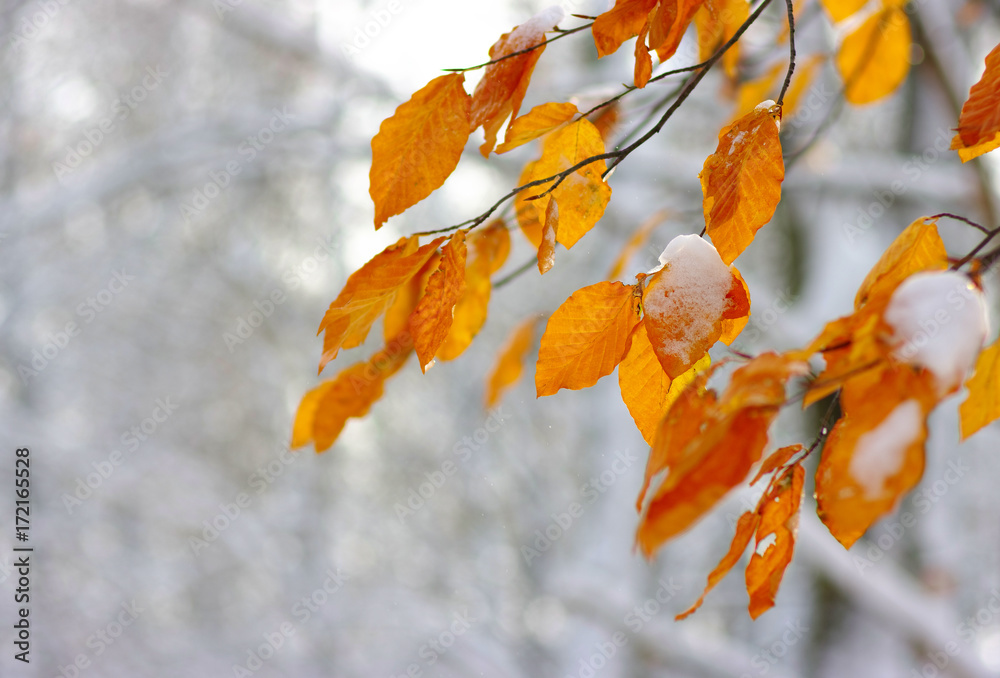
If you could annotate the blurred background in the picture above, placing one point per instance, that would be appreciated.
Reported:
(168, 169)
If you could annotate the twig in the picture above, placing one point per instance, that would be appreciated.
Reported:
(562, 34)
(523, 268)
(791, 52)
(962, 219)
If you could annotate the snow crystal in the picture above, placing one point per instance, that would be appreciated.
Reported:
(737, 140)
(939, 322)
(693, 285)
(881, 452)
(526, 34)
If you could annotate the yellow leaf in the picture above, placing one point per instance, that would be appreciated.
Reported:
(741, 181)
(582, 196)
(979, 124)
(875, 58)
(801, 79)
(417, 148)
(918, 248)
(537, 122)
(432, 318)
(547, 248)
(983, 404)
(586, 337)
(368, 293)
(762, 88)
(510, 362)
(717, 21)
(841, 9)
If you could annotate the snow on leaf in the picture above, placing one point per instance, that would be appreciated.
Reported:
(686, 301)
(939, 322)
(537, 122)
(500, 93)
(431, 320)
(582, 196)
(741, 181)
(979, 124)
(368, 293)
(875, 452)
(419, 146)
(510, 362)
(586, 337)
(918, 248)
(779, 516)
(874, 59)
(745, 528)
(983, 403)
(547, 248)
(490, 247)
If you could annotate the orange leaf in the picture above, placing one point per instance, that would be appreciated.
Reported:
(367, 294)
(586, 337)
(686, 302)
(583, 195)
(397, 315)
(547, 248)
(432, 318)
(841, 9)
(983, 404)
(741, 181)
(537, 122)
(417, 148)
(875, 58)
(643, 62)
(635, 242)
(779, 516)
(738, 315)
(668, 24)
(325, 410)
(778, 458)
(606, 120)
(490, 247)
(918, 248)
(717, 21)
(745, 528)
(875, 452)
(752, 92)
(500, 93)
(979, 124)
(620, 23)
(510, 363)
(801, 79)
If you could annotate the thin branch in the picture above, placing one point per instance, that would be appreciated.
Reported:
(962, 219)
(523, 268)
(791, 52)
(543, 43)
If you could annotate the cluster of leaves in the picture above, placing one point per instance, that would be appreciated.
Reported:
(658, 331)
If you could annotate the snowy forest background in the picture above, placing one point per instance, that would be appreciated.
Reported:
(176, 96)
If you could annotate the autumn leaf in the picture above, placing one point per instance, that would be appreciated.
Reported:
(875, 452)
(918, 248)
(643, 62)
(419, 146)
(737, 318)
(875, 59)
(637, 240)
(979, 124)
(620, 23)
(776, 459)
(550, 231)
(490, 247)
(761, 88)
(397, 315)
(668, 24)
(500, 92)
(745, 528)
(741, 181)
(324, 411)
(431, 319)
(982, 406)
(841, 9)
(368, 293)
(803, 77)
(582, 196)
(586, 337)
(717, 21)
(537, 122)
(510, 362)
(686, 302)
(779, 516)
